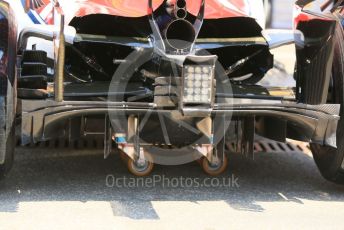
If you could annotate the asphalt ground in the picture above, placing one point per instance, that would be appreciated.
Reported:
(78, 189)
(68, 188)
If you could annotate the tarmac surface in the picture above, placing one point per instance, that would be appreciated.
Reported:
(78, 189)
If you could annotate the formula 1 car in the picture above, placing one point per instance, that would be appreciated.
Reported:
(165, 81)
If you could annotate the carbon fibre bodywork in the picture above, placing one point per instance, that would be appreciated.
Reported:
(136, 9)
(315, 52)
(316, 122)
(226, 28)
(103, 41)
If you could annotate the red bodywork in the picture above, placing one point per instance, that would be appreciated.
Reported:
(138, 8)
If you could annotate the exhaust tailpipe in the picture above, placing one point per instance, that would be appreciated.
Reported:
(180, 34)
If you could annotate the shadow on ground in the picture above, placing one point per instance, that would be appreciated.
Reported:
(41, 175)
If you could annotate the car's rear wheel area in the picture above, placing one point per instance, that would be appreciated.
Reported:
(8, 89)
(330, 161)
(7, 144)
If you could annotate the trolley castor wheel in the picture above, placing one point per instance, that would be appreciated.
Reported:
(214, 169)
(140, 168)
(137, 168)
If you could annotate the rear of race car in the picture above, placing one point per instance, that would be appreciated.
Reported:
(169, 86)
